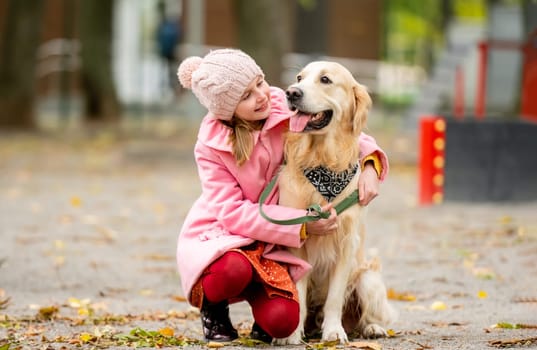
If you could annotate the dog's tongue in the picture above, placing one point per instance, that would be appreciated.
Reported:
(298, 121)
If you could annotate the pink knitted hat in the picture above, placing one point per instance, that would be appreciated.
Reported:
(219, 79)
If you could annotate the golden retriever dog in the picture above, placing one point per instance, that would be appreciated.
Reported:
(343, 294)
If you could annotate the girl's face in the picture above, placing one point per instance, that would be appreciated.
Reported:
(255, 102)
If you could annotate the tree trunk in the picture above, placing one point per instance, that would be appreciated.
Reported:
(20, 39)
(101, 102)
(264, 34)
(529, 10)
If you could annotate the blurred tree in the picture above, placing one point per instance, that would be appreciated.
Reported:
(101, 101)
(264, 33)
(529, 11)
(20, 38)
(414, 32)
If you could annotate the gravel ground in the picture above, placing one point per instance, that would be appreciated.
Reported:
(88, 232)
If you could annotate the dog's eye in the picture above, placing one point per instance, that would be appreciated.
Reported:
(325, 80)
(298, 78)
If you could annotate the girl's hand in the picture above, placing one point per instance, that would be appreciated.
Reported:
(323, 226)
(368, 184)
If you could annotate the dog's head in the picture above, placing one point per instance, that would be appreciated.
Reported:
(325, 95)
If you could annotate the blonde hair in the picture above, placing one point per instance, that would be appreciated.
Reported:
(241, 139)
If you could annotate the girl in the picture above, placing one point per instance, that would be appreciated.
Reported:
(226, 251)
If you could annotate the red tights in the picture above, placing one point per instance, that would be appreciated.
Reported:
(232, 275)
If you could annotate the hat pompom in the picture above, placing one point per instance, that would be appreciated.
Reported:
(186, 68)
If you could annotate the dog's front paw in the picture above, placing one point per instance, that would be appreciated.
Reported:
(334, 332)
(374, 331)
(293, 339)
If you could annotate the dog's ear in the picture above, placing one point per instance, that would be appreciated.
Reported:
(362, 104)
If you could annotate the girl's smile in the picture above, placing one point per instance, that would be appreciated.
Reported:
(263, 107)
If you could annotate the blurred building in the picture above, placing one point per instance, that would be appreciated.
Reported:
(141, 75)
(137, 67)
(405, 52)
(341, 28)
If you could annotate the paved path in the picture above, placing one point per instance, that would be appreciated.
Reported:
(88, 228)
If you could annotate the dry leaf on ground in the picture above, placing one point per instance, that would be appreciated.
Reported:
(364, 345)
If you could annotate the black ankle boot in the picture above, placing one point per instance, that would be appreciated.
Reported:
(259, 334)
(216, 323)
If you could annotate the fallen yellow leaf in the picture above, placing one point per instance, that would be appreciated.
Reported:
(506, 219)
(74, 302)
(77, 303)
(166, 331)
(85, 337)
(482, 294)
(438, 305)
(76, 201)
(364, 345)
(504, 325)
(213, 344)
(48, 312)
(178, 298)
(146, 292)
(392, 294)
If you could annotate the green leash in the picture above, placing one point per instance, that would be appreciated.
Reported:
(314, 211)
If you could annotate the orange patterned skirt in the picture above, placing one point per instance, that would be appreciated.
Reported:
(272, 275)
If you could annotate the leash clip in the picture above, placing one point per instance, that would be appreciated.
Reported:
(315, 211)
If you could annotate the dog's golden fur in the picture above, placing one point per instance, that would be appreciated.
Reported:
(342, 290)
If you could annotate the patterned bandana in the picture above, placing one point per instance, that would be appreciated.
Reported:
(330, 183)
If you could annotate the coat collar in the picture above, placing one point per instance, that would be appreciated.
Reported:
(214, 134)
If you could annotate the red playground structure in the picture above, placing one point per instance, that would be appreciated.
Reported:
(478, 159)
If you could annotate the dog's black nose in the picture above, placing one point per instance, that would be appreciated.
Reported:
(293, 94)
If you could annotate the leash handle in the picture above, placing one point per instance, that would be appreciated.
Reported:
(314, 211)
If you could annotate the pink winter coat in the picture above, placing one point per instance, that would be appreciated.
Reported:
(226, 215)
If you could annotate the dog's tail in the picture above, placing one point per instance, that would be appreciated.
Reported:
(367, 301)
(374, 304)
